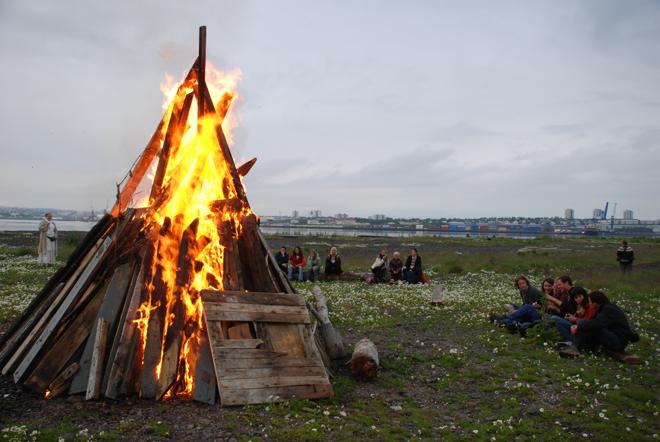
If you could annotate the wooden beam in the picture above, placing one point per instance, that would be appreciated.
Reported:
(175, 129)
(286, 285)
(112, 303)
(295, 317)
(96, 368)
(57, 356)
(244, 168)
(125, 342)
(277, 394)
(253, 298)
(201, 73)
(61, 384)
(232, 272)
(256, 276)
(153, 347)
(89, 269)
(205, 382)
(239, 343)
(146, 158)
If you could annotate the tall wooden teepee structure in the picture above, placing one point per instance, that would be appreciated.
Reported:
(175, 298)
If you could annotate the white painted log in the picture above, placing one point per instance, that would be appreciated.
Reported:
(96, 367)
(364, 363)
(334, 343)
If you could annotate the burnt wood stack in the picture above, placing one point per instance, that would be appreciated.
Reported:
(80, 336)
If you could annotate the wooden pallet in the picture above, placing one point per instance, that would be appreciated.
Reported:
(262, 348)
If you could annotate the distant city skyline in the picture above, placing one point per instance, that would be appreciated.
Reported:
(315, 213)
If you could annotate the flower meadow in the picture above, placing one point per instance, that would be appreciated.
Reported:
(445, 373)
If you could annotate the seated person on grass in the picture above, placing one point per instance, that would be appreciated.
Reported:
(560, 303)
(396, 267)
(412, 271)
(379, 269)
(333, 264)
(297, 263)
(608, 329)
(314, 263)
(282, 259)
(547, 291)
(584, 310)
(529, 312)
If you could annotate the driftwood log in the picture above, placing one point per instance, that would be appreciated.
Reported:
(364, 363)
(334, 344)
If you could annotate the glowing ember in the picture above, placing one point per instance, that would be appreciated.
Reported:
(196, 195)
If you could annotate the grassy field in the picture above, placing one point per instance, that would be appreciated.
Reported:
(446, 373)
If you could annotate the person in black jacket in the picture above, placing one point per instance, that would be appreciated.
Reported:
(608, 329)
(625, 255)
(282, 259)
(333, 264)
(529, 312)
(412, 271)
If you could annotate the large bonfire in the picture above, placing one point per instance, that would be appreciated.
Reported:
(175, 292)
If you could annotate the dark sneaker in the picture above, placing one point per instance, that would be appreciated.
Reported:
(512, 327)
(569, 352)
(563, 344)
(496, 319)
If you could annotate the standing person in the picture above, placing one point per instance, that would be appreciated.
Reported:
(333, 264)
(282, 259)
(297, 263)
(314, 263)
(380, 268)
(47, 240)
(396, 267)
(625, 255)
(412, 271)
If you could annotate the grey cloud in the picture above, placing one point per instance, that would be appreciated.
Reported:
(415, 109)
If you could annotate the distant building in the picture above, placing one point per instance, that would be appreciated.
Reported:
(377, 217)
(294, 214)
(315, 213)
(598, 213)
(628, 214)
(569, 214)
(341, 216)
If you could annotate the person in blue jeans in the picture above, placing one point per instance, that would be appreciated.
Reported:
(529, 313)
(584, 310)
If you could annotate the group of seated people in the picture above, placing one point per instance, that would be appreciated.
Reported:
(384, 270)
(299, 265)
(585, 321)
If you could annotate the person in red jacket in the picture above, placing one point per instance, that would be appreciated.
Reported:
(297, 263)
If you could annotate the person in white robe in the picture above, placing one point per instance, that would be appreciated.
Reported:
(47, 240)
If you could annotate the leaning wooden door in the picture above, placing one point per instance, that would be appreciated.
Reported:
(262, 347)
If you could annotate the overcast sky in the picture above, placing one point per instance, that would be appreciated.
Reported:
(411, 109)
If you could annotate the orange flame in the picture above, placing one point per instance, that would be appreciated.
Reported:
(184, 220)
